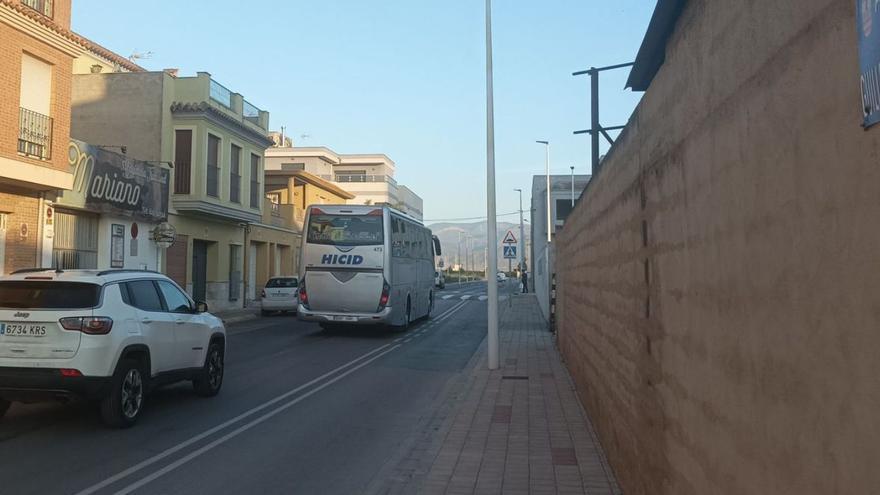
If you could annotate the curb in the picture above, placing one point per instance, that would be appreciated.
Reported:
(232, 320)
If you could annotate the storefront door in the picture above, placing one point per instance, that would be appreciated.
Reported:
(200, 270)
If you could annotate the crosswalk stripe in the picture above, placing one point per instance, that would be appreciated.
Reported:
(483, 298)
(447, 297)
(465, 298)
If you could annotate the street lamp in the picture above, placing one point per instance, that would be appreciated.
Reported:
(547, 168)
(491, 212)
(522, 235)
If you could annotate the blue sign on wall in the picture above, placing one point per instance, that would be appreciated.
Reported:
(869, 58)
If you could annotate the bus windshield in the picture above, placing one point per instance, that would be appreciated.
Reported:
(346, 230)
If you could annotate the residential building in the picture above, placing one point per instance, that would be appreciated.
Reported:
(561, 204)
(370, 177)
(215, 140)
(36, 61)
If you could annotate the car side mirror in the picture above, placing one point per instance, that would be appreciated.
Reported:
(201, 307)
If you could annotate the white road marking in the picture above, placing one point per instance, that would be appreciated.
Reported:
(450, 296)
(483, 298)
(383, 350)
(465, 298)
(158, 457)
(243, 428)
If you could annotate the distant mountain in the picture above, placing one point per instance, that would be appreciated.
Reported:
(448, 233)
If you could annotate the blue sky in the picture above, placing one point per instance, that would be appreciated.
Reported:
(402, 77)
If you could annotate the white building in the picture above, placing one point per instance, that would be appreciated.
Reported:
(561, 203)
(370, 177)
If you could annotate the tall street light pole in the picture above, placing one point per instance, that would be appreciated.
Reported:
(492, 225)
(522, 235)
(547, 172)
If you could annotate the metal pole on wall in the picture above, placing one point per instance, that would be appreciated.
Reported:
(491, 227)
(522, 236)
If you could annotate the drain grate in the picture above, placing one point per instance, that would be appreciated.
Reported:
(514, 377)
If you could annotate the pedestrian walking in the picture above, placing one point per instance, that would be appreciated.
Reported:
(525, 282)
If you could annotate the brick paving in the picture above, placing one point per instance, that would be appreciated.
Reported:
(516, 430)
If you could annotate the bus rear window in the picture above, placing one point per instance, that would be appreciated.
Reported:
(48, 295)
(346, 230)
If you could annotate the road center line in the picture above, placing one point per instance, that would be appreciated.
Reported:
(247, 426)
(172, 450)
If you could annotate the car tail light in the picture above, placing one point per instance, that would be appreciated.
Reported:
(386, 294)
(263, 293)
(90, 325)
(303, 295)
(69, 373)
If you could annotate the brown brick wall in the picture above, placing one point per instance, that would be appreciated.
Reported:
(21, 208)
(14, 44)
(718, 282)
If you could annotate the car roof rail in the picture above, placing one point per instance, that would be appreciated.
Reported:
(123, 270)
(36, 270)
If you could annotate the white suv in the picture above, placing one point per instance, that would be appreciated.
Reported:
(107, 336)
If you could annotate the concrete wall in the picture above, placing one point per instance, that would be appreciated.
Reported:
(120, 109)
(719, 279)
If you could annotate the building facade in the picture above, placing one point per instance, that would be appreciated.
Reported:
(215, 141)
(35, 63)
(561, 204)
(370, 177)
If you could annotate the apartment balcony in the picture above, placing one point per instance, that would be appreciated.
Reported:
(201, 93)
(285, 216)
(349, 178)
(34, 134)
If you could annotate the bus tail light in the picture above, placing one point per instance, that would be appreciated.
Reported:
(386, 293)
(303, 295)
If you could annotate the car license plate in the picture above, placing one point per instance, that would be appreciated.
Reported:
(345, 318)
(22, 330)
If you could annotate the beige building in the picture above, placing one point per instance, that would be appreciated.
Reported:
(369, 177)
(215, 140)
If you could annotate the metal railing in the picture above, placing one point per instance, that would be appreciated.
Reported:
(276, 209)
(364, 178)
(220, 94)
(44, 7)
(34, 134)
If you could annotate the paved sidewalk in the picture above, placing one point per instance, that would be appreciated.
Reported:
(519, 429)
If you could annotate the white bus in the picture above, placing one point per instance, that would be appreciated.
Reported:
(365, 265)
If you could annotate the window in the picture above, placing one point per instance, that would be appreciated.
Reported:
(345, 230)
(213, 183)
(235, 174)
(48, 295)
(255, 181)
(42, 6)
(35, 97)
(563, 208)
(278, 283)
(175, 301)
(76, 240)
(142, 294)
(182, 160)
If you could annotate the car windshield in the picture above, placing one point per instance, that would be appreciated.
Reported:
(44, 294)
(286, 283)
(346, 230)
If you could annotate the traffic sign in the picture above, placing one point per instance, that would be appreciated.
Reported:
(509, 238)
(510, 252)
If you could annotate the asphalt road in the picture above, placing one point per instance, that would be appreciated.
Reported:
(301, 411)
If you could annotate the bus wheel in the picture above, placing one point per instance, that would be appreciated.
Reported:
(430, 305)
(406, 318)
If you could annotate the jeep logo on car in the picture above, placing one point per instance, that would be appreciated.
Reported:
(21, 314)
(342, 259)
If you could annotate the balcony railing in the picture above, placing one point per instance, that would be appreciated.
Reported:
(34, 134)
(220, 94)
(364, 178)
(276, 209)
(251, 113)
(42, 6)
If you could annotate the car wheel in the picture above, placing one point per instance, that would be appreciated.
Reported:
(128, 389)
(210, 379)
(4, 406)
